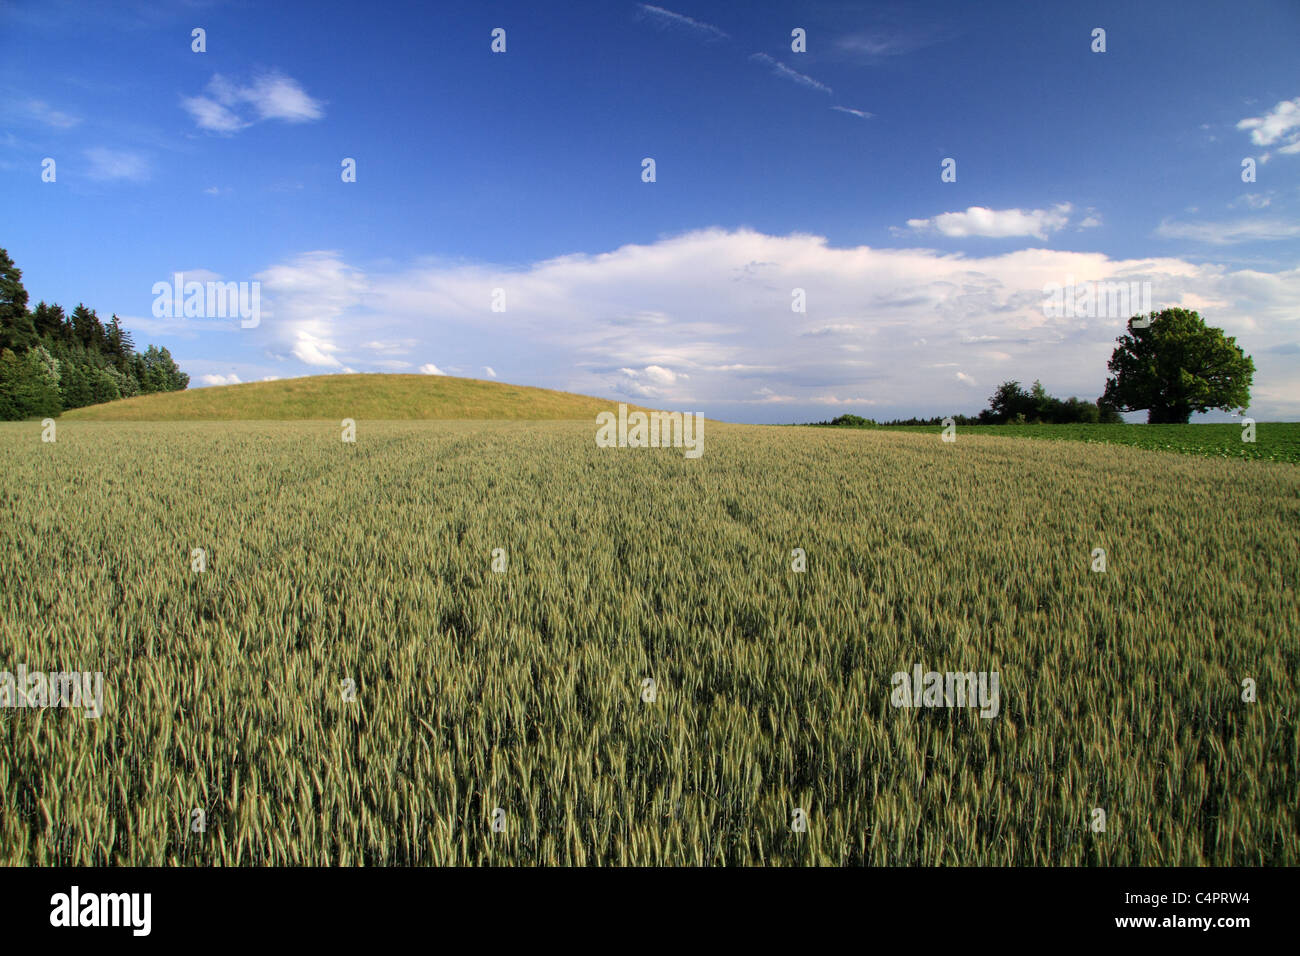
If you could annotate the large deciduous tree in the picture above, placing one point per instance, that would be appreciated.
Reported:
(1177, 365)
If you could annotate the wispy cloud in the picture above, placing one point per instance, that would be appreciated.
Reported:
(1227, 233)
(860, 114)
(42, 112)
(887, 42)
(877, 44)
(995, 223)
(780, 69)
(393, 347)
(107, 164)
(1281, 124)
(836, 329)
(1253, 200)
(226, 107)
(668, 17)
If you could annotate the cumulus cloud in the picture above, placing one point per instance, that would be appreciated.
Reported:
(996, 223)
(653, 381)
(303, 301)
(227, 107)
(655, 321)
(490, 372)
(231, 379)
(431, 369)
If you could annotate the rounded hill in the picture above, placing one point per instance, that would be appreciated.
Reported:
(360, 396)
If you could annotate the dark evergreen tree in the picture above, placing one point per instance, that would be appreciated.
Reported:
(87, 330)
(17, 332)
(48, 320)
(118, 343)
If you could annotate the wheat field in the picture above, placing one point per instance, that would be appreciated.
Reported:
(348, 681)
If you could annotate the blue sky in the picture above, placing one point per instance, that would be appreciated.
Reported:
(775, 170)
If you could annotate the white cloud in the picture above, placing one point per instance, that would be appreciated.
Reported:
(302, 301)
(212, 116)
(231, 379)
(42, 112)
(225, 106)
(315, 351)
(781, 70)
(996, 223)
(1227, 233)
(835, 329)
(894, 43)
(392, 347)
(278, 97)
(1280, 125)
(667, 17)
(489, 370)
(653, 320)
(649, 382)
(966, 379)
(431, 369)
(860, 114)
(108, 164)
(1252, 200)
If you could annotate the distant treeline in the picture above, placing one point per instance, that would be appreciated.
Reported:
(1009, 405)
(50, 362)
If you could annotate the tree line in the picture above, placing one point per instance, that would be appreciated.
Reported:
(1012, 405)
(1170, 364)
(51, 361)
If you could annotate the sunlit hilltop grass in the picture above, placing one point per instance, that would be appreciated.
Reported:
(353, 396)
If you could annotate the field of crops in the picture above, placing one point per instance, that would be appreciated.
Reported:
(1274, 441)
(503, 716)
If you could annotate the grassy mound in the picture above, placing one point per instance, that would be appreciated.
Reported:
(373, 397)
